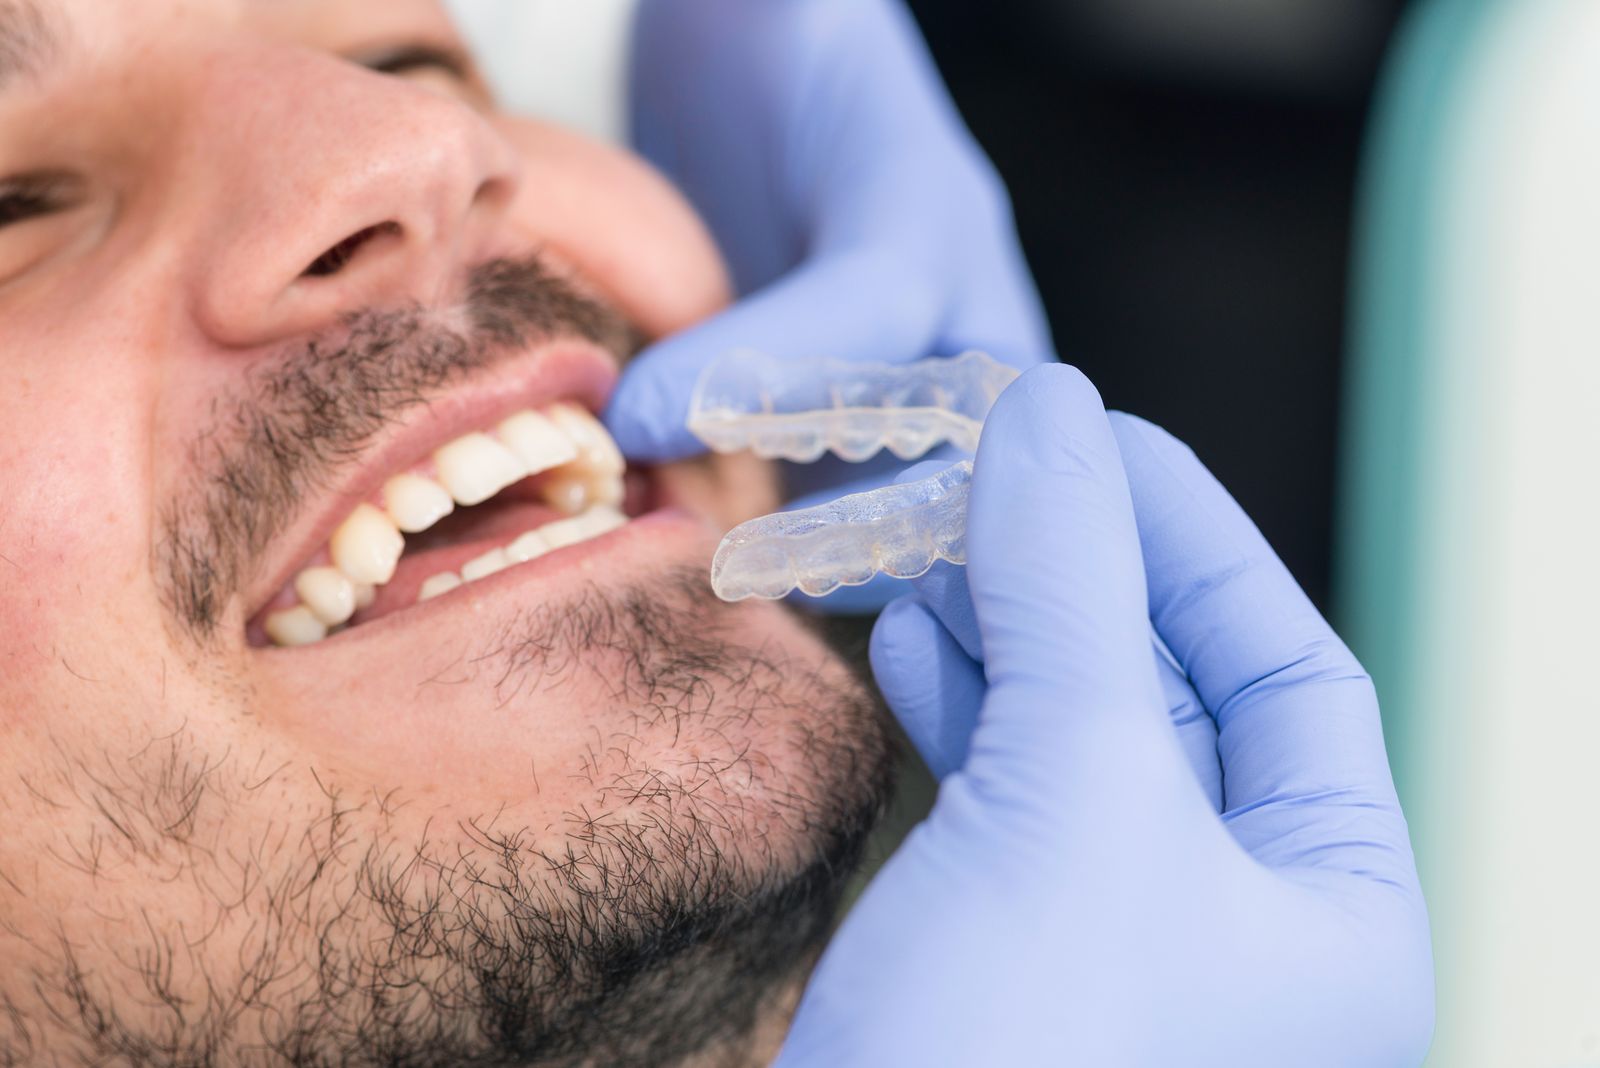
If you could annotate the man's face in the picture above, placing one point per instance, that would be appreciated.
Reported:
(257, 259)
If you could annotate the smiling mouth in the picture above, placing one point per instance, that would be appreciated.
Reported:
(535, 483)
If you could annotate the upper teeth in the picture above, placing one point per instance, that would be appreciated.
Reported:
(476, 467)
(586, 483)
(329, 594)
(538, 443)
(416, 502)
(367, 546)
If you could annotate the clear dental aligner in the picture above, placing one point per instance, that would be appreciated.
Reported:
(799, 409)
(901, 530)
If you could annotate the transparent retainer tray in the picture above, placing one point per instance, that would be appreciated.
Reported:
(900, 530)
(799, 410)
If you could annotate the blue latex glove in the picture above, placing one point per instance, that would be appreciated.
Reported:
(859, 218)
(1075, 897)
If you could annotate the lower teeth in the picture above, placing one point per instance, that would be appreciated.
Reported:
(299, 625)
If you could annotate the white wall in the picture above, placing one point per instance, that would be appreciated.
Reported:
(564, 60)
(1496, 700)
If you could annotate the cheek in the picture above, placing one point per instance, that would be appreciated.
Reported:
(621, 225)
(74, 524)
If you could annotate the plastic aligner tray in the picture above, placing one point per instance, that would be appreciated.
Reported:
(797, 410)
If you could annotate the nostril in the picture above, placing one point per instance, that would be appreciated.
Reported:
(334, 260)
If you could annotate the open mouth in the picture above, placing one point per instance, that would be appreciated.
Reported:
(537, 482)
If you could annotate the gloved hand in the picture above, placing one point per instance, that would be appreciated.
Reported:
(1075, 897)
(860, 219)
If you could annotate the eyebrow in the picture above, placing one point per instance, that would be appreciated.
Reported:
(27, 40)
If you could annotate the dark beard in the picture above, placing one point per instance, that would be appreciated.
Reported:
(660, 926)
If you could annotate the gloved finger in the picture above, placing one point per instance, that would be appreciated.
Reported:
(1197, 731)
(944, 590)
(933, 688)
(1298, 729)
(775, 118)
(857, 209)
(972, 259)
(1057, 580)
(861, 306)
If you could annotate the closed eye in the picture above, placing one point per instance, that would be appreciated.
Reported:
(440, 68)
(408, 58)
(30, 196)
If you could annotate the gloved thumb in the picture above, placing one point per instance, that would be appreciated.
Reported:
(1058, 585)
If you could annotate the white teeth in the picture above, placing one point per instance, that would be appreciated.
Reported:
(476, 467)
(596, 476)
(590, 524)
(415, 503)
(367, 546)
(434, 585)
(529, 546)
(485, 565)
(606, 490)
(326, 591)
(604, 520)
(295, 626)
(576, 490)
(536, 442)
(599, 451)
(585, 484)
(563, 532)
(567, 493)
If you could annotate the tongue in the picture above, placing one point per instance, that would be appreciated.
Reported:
(451, 543)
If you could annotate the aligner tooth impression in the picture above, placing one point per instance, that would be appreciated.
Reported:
(799, 409)
(582, 470)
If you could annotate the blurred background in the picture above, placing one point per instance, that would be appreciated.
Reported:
(1347, 249)
(1350, 251)
(1183, 174)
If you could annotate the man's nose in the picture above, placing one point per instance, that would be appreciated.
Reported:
(331, 189)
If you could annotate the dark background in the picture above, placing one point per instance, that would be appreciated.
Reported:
(1183, 173)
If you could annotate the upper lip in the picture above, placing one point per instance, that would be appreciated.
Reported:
(557, 369)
